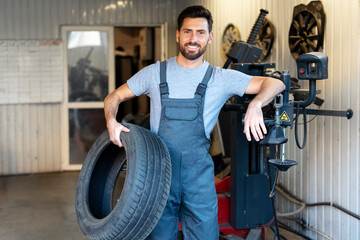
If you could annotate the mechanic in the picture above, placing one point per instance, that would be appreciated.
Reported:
(186, 95)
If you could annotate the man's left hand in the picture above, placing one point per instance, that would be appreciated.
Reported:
(254, 122)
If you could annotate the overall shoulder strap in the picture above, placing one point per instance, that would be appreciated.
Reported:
(164, 89)
(201, 89)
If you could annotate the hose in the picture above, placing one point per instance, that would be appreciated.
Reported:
(284, 226)
(274, 231)
(295, 200)
(290, 198)
(301, 223)
(273, 203)
(335, 205)
(272, 192)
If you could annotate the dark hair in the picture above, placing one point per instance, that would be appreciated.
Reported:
(195, 12)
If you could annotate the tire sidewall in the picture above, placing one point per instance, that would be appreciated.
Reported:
(90, 225)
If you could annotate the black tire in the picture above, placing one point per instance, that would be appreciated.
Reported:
(145, 192)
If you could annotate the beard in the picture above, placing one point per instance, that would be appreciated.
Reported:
(192, 55)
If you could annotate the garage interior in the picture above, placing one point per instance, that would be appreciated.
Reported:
(53, 85)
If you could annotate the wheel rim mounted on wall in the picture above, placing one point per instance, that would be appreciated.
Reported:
(307, 29)
(305, 34)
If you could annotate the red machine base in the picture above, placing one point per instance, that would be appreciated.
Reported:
(223, 190)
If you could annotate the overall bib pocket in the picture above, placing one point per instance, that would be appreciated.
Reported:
(181, 113)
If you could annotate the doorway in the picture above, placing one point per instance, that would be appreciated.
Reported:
(98, 60)
(135, 48)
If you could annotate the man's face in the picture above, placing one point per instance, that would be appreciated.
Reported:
(193, 37)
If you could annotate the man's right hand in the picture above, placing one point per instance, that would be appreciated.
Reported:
(111, 105)
(115, 129)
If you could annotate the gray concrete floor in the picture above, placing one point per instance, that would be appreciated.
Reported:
(42, 207)
(285, 235)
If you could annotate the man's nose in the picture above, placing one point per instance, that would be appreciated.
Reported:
(193, 38)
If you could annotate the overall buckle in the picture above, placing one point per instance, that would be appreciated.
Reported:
(164, 89)
(201, 89)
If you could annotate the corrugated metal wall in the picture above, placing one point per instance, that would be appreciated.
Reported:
(40, 19)
(30, 134)
(30, 138)
(328, 167)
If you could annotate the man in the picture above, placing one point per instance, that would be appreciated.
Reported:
(186, 95)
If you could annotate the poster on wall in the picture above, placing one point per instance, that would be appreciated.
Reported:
(31, 71)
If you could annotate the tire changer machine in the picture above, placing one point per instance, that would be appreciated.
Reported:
(246, 197)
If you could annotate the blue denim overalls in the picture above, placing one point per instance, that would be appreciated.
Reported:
(192, 194)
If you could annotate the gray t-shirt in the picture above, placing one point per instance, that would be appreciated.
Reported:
(182, 82)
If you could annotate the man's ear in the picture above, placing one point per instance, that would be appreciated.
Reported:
(211, 37)
(177, 36)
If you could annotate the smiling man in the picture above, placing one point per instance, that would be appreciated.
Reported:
(186, 95)
(193, 38)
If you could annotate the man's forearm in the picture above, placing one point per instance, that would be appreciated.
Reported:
(112, 101)
(269, 88)
(111, 105)
(266, 89)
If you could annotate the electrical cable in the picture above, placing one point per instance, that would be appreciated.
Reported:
(335, 205)
(276, 220)
(275, 233)
(301, 223)
(303, 204)
(309, 120)
(284, 226)
(293, 212)
(312, 119)
(288, 196)
(272, 192)
(296, 127)
(292, 198)
(273, 202)
(282, 237)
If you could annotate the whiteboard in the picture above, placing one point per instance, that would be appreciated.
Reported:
(31, 71)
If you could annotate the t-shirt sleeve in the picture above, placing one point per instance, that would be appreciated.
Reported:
(235, 82)
(140, 83)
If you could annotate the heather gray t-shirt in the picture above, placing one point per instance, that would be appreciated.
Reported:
(182, 82)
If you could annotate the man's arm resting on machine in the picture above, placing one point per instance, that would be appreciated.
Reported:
(111, 105)
(266, 89)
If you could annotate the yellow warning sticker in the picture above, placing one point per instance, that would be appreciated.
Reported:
(284, 117)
